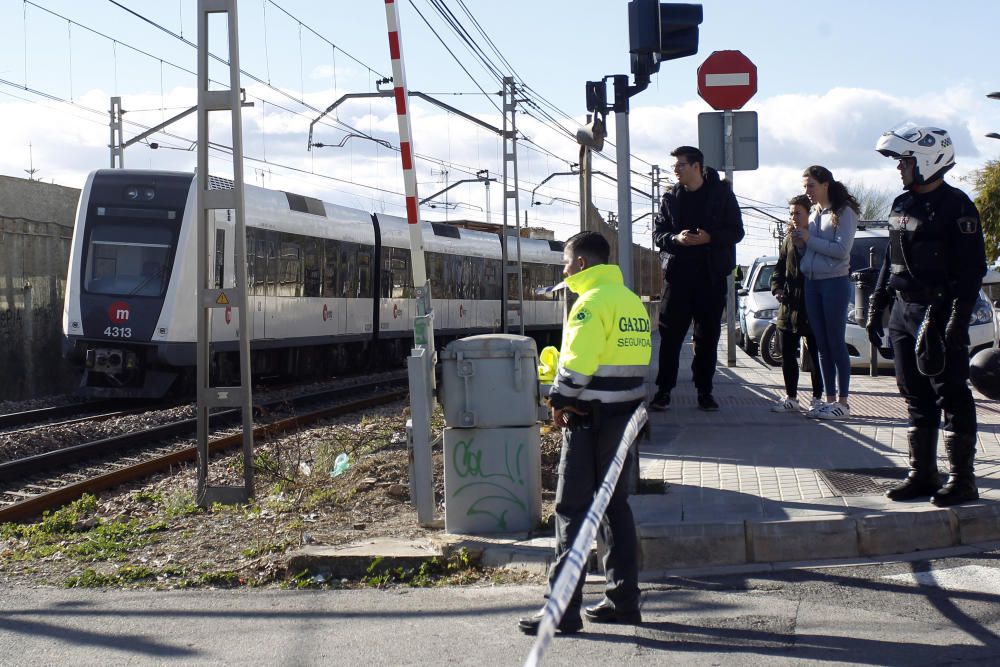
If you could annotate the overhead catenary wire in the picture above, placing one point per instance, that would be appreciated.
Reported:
(466, 169)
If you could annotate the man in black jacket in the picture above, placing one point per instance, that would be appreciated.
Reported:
(697, 229)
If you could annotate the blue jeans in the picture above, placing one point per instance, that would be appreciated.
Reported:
(826, 305)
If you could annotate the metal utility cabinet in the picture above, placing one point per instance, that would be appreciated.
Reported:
(492, 443)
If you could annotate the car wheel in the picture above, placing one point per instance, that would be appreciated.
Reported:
(770, 346)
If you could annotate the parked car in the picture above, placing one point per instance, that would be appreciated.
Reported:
(869, 248)
(757, 306)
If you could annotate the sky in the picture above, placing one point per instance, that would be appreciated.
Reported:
(831, 79)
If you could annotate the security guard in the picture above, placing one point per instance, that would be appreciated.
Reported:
(935, 265)
(600, 382)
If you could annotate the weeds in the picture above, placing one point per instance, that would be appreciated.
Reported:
(432, 572)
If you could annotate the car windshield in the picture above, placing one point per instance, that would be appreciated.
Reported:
(762, 283)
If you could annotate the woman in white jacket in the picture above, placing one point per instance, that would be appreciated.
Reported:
(826, 261)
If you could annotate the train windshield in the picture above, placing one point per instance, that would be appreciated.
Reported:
(128, 260)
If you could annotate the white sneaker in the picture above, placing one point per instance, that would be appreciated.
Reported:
(787, 404)
(834, 411)
(815, 406)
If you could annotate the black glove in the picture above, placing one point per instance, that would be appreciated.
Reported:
(956, 331)
(876, 304)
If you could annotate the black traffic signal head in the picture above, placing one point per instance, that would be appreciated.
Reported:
(661, 31)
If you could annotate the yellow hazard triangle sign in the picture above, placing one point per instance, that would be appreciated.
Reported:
(222, 300)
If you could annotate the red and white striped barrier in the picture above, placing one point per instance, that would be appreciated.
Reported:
(406, 144)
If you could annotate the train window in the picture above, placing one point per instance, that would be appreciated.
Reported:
(402, 282)
(491, 280)
(312, 267)
(452, 275)
(349, 270)
(128, 259)
(290, 266)
(260, 268)
(364, 272)
(331, 272)
(465, 282)
(220, 256)
(476, 284)
(385, 274)
(435, 273)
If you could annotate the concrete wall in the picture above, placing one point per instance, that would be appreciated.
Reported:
(36, 228)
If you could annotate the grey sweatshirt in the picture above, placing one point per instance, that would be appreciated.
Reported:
(828, 250)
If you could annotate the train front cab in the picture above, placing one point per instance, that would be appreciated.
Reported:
(125, 240)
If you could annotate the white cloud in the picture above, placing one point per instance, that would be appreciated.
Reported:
(837, 129)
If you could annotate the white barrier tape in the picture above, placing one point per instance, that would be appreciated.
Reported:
(565, 584)
(550, 288)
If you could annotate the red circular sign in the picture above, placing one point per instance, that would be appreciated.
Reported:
(727, 80)
(326, 313)
(229, 314)
(118, 312)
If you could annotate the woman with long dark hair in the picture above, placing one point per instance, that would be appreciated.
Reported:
(826, 261)
(792, 322)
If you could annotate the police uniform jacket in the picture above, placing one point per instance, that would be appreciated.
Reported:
(606, 343)
(936, 248)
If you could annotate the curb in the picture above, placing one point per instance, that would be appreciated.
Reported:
(667, 546)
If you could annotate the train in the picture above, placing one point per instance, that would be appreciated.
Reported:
(329, 287)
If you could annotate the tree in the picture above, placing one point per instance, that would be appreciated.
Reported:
(875, 202)
(986, 182)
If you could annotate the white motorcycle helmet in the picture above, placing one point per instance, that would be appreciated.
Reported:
(931, 147)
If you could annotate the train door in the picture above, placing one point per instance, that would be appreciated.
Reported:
(265, 283)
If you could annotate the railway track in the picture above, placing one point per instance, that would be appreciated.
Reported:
(94, 416)
(42, 416)
(31, 485)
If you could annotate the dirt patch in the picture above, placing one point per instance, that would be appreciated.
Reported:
(153, 535)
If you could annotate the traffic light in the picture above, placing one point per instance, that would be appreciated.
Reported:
(661, 31)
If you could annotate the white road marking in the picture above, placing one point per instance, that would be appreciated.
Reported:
(966, 578)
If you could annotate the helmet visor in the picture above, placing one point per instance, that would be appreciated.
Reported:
(908, 131)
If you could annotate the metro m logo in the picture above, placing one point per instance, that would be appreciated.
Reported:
(119, 312)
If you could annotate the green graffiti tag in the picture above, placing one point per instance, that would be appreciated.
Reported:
(467, 460)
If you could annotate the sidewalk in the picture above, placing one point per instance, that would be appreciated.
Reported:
(745, 486)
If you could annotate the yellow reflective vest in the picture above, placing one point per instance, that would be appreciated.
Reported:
(606, 343)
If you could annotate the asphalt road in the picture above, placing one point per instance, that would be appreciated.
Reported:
(941, 611)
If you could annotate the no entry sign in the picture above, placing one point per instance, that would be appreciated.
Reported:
(727, 80)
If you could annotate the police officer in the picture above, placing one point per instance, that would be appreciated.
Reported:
(600, 382)
(935, 265)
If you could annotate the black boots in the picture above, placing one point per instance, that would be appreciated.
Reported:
(961, 485)
(923, 479)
